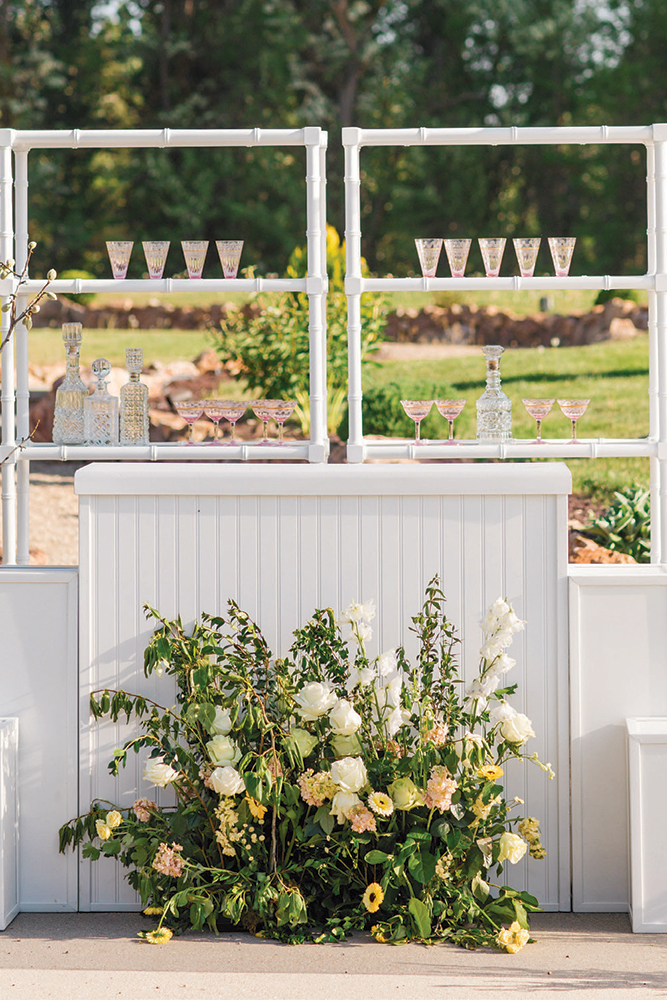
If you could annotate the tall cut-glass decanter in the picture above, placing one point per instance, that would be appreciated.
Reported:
(68, 414)
(100, 409)
(134, 401)
(494, 408)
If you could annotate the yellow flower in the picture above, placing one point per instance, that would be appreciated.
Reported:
(530, 829)
(103, 831)
(381, 803)
(159, 936)
(490, 772)
(114, 819)
(376, 931)
(153, 911)
(514, 938)
(258, 811)
(373, 897)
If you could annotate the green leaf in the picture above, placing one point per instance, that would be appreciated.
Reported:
(377, 857)
(421, 917)
(521, 914)
(422, 866)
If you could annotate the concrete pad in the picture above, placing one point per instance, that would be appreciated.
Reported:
(94, 956)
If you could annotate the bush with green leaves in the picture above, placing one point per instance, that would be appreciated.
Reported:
(271, 345)
(625, 526)
(325, 791)
(382, 412)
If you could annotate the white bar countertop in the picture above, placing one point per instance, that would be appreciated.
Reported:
(194, 479)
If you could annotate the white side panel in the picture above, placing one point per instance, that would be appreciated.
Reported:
(647, 759)
(9, 821)
(280, 556)
(38, 686)
(618, 636)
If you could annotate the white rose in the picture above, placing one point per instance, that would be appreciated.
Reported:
(346, 746)
(502, 711)
(222, 722)
(349, 773)
(344, 719)
(387, 663)
(512, 848)
(314, 700)
(159, 773)
(342, 803)
(467, 742)
(304, 740)
(518, 729)
(226, 781)
(223, 751)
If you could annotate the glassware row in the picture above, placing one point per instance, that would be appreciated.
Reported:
(492, 249)
(194, 252)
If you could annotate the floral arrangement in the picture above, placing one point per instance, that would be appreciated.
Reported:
(325, 791)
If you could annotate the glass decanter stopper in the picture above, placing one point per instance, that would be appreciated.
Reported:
(494, 408)
(100, 410)
(134, 401)
(68, 413)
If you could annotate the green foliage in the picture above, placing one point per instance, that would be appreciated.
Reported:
(382, 412)
(626, 525)
(84, 298)
(272, 343)
(376, 809)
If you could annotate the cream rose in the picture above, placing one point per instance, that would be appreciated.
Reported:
(103, 831)
(342, 803)
(159, 773)
(346, 746)
(223, 751)
(222, 722)
(314, 700)
(518, 729)
(512, 848)
(343, 718)
(114, 819)
(405, 794)
(304, 741)
(349, 773)
(226, 781)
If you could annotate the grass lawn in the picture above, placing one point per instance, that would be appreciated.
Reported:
(614, 375)
(46, 346)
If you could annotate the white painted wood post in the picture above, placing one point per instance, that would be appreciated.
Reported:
(9, 821)
(647, 760)
(316, 287)
(7, 359)
(22, 365)
(355, 444)
(660, 296)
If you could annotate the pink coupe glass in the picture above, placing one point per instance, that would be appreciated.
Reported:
(417, 409)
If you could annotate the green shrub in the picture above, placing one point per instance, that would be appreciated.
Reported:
(606, 295)
(85, 298)
(626, 525)
(382, 412)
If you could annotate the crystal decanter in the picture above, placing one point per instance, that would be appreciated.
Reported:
(68, 414)
(100, 410)
(134, 401)
(494, 408)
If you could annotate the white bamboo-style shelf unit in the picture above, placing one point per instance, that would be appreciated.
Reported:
(14, 243)
(654, 137)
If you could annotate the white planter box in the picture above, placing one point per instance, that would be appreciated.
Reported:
(647, 752)
(9, 821)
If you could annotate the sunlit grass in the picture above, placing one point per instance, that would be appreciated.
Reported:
(46, 346)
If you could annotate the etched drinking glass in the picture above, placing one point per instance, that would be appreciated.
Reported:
(457, 254)
(526, 254)
(562, 248)
(119, 255)
(492, 254)
(232, 410)
(450, 409)
(215, 411)
(428, 252)
(573, 409)
(282, 411)
(417, 409)
(155, 252)
(538, 409)
(229, 252)
(194, 252)
(263, 410)
(190, 412)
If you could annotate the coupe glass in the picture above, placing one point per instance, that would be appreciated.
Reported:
(450, 409)
(573, 409)
(562, 248)
(190, 412)
(492, 255)
(282, 411)
(428, 252)
(194, 252)
(539, 409)
(214, 410)
(417, 409)
(526, 254)
(229, 252)
(457, 254)
(155, 252)
(232, 410)
(264, 410)
(119, 255)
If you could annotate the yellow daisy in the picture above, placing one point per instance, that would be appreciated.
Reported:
(159, 936)
(258, 810)
(153, 911)
(490, 772)
(373, 897)
(514, 938)
(381, 803)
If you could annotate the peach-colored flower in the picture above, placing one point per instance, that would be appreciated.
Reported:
(439, 789)
(362, 819)
(168, 861)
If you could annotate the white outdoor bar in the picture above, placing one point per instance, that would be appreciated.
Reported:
(184, 529)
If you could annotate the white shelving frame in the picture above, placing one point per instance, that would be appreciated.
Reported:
(15, 396)
(654, 138)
